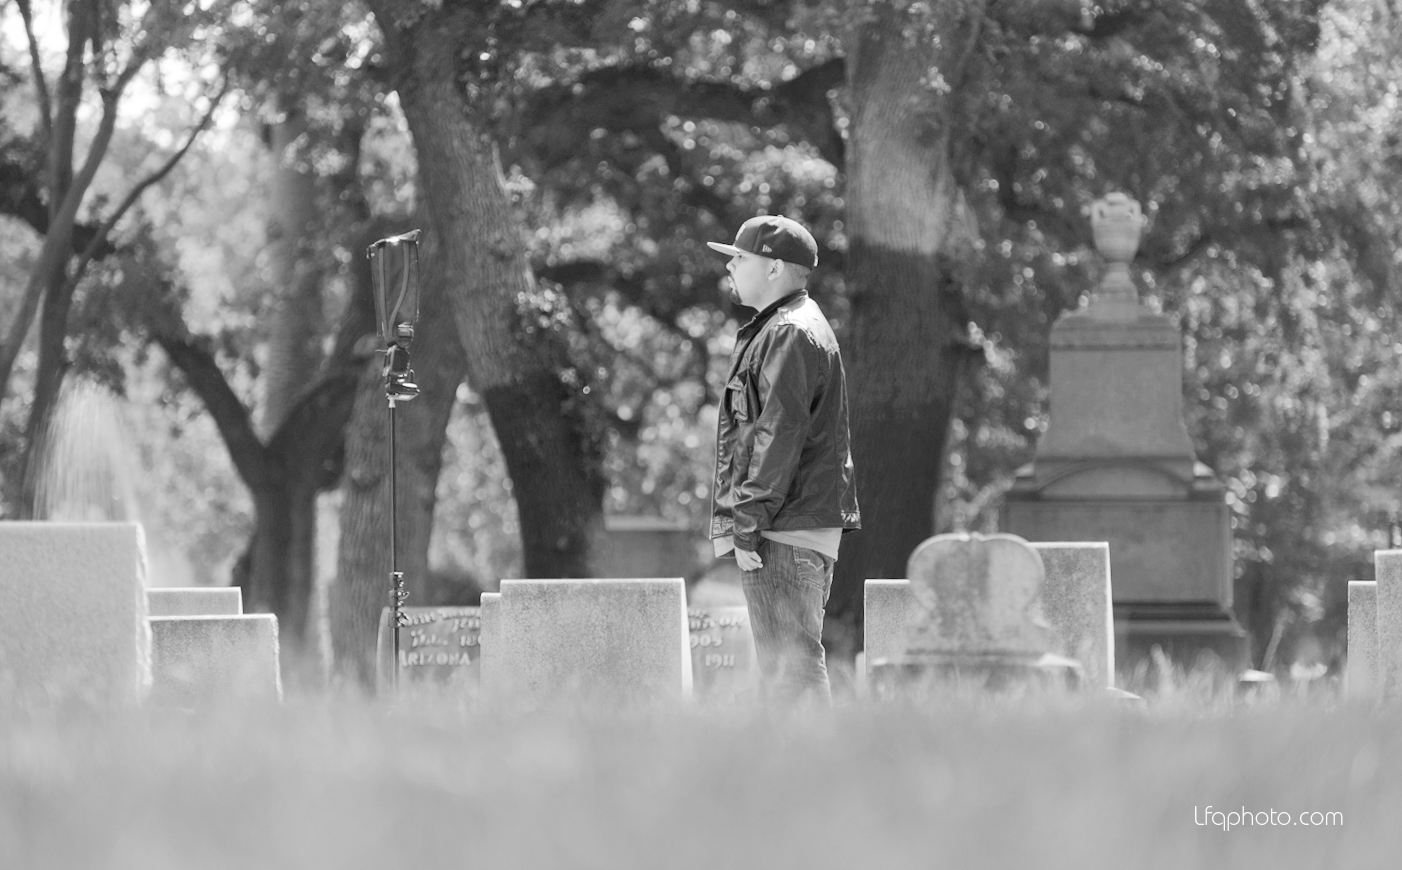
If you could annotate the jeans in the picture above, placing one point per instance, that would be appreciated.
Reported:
(786, 598)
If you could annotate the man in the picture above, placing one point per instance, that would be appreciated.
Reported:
(784, 490)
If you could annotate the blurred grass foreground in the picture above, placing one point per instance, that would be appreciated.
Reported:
(956, 782)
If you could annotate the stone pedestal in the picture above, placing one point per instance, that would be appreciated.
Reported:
(1116, 464)
(195, 601)
(199, 660)
(640, 546)
(995, 674)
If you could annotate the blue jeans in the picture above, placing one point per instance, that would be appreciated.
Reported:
(786, 598)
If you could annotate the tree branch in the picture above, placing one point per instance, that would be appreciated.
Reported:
(1268, 229)
(802, 103)
(53, 256)
(1173, 260)
(41, 86)
(960, 71)
(1107, 25)
(638, 99)
(65, 122)
(315, 426)
(193, 357)
(20, 197)
(135, 193)
(1040, 18)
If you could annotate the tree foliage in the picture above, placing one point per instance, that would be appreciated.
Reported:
(1260, 137)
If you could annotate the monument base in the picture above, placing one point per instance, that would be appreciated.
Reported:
(1191, 634)
(995, 673)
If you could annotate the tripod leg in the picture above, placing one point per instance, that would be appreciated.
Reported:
(397, 594)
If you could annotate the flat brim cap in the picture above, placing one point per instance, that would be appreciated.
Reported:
(773, 236)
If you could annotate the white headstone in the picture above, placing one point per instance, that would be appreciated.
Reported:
(1387, 566)
(1077, 603)
(488, 639)
(1361, 667)
(213, 659)
(195, 601)
(888, 607)
(73, 612)
(610, 640)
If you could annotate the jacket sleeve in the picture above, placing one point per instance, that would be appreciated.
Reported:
(789, 375)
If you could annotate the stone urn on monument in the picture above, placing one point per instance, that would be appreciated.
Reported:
(1116, 464)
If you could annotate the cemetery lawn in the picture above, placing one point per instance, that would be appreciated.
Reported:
(957, 783)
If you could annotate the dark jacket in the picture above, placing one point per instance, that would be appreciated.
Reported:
(783, 455)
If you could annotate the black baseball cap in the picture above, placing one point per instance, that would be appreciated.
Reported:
(776, 237)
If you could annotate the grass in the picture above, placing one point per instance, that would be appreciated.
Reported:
(957, 781)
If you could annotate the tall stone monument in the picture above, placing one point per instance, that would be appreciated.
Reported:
(1116, 464)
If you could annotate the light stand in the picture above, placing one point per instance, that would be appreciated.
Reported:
(394, 275)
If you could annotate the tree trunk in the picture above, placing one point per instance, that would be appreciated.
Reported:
(539, 415)
(278, 569)
(284, 475)
(906, 346)
(53, 328)
(294, 342)
(363, 564)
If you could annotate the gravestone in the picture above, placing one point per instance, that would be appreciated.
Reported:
(488, 640)
(73, 612)
(214, 659)
(1116, 464)
(1076, 600)
(1387, 565)
(439, 645)
(888, 607)
(723, 664)
(1361, 667)
(977, 617)
(1076, 596)
(612, 640)
(195, 601)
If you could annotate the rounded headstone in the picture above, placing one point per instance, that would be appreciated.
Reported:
(977, 594)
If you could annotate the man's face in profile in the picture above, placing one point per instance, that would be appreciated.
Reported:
(748, 278)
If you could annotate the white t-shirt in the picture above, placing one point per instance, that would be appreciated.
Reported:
(824, 541)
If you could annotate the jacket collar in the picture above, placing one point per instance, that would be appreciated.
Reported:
(759, 319)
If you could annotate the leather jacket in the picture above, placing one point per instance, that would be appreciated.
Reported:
(783, 454)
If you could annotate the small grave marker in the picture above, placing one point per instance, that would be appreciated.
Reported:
(722, 652)
(438, 645)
